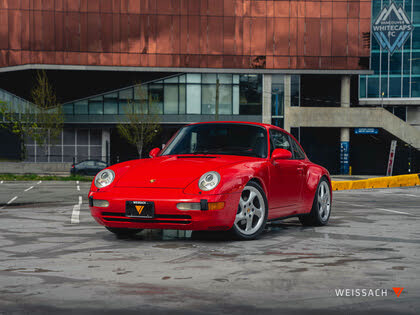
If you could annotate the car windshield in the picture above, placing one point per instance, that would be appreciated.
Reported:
(229, 139)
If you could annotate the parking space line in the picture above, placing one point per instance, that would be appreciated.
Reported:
(1, 182)
(77, 182)
(382, 209)
(11, 200)
(39, 182)
(27, 189)
(400, 212)
(411, 195)
(76, 212)
(78, 187)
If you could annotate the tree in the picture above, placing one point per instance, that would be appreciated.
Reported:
(42, 120)
(142, 119)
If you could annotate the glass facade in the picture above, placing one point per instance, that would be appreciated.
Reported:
(16, 104)
(191, 93)
(397, 74)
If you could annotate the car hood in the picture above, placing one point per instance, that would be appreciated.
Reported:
(173, 171)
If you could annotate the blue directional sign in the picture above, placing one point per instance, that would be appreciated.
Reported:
(366, 131)
(392, 27)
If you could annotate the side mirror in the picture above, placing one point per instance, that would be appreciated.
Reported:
(154, 152)
(281, 154)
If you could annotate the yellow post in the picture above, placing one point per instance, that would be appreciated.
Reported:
(350, 170)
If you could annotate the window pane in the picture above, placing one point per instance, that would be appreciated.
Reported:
(236, 99)
(111, 106)
(125, 97)
(225, 99)
(208, 99)
(193, 78)
(171, 99)
(68, 109)
(156, 98)
(225, 78)
(209, 78)
(81, 107)
(193, 98)
(182, 98)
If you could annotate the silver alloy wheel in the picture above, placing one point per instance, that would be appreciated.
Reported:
(324, 200)
(251, 211)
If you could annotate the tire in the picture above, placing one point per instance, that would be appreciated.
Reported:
(121, 232)
(321, 207)
(252, 213)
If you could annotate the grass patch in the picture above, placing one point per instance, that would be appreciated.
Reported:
(34, 177)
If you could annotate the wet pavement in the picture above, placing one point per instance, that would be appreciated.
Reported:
(48, 264)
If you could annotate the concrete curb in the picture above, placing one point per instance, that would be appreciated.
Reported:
(378, 182)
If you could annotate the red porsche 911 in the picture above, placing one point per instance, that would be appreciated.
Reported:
(214, 176)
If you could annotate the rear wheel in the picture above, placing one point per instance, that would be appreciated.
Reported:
(121, 232)
(252, 213)
(321, 207)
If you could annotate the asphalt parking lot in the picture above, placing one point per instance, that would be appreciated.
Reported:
(55, 258)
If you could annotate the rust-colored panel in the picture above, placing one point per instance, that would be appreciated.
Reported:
(176, 61)
(229, 7)
(229, 36)
(83, 58)
(281, 62)
(301, 8)
(70, 57)
(106, 7)
(300, 62)
(239, 27)
(84, 32)
(26, 57)
(116, 59)
(164, 6)
(105, 59)
(339, 37)
(184, 35)
(94, 34)
(312, 62)
(59, 57)
(15, 33)
(37, 5)
(26, 30)
(270, 9)
(228, 62)
(163, 34)
(176, 7)
(247, 10)
(269, 62)
(124, 6)
(204, 5)
(365, 12)
(293, 36)
(25, 5)
(176, 29)
(354, 10)
(152, 60)
(282, 36)
(339, 9)
(184, 7)
(281, 8)
(134, 7)
(48, 57)
(72, 34)
(353, 62)
(106, 32)
(133, 60)
(353, 37)
(239, 9)
(36, 57)
(294, 9)
(215, 61)
(37, 24)
(164, 60)
(193, 7)
(13, 5)
(84, 5)
(48, 33)
(326, 9)
(301, 37)
(116, 6)
(270, 37)
(339, 62)
(59, 30)
(93, 58)
(124, 32)
(247, 36)
(312, 37)
(259, 8)
(203, 61)
(203, 35)
(134, 40)
(15, 58)
(4, 4)
(326, 37)
(4, 29)
(152, 36)
(71, 5)
(194, 34)
(364, 28)
(47, 4)
(116, 35)
(4, 58)
(215, 7)
(313, 9)
(326, 63)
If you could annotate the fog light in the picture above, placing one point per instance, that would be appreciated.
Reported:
(188, 206)
(100, 203)
(216, 205)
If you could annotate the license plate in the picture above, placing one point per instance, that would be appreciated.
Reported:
(140, 209)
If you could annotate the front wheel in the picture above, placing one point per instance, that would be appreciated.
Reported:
(252, 213)
(321, 207)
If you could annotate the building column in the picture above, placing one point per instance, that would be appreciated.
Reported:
(287, 102)
(266, 99)
(345, 132)
(106, 145)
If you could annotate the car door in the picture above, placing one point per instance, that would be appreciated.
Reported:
(285, 178)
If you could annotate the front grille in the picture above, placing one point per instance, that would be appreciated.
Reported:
(159, 218)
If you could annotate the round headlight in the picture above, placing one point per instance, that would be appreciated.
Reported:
(104, 178)
(209, 181)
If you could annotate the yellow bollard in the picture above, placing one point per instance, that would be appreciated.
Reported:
(350, 170)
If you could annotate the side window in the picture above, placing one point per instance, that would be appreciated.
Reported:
(279, 140)
(90, 163)
(298, 154)
(100, 164)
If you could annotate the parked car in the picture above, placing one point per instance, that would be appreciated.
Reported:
(214, 176)
(87, 167)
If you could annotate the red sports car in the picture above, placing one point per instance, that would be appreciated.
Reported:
(214, 176)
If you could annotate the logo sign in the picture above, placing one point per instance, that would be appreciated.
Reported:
(398, 291)
(391, 158)
(392, 27)
(366, 131)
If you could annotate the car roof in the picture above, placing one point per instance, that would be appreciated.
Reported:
(239, 122)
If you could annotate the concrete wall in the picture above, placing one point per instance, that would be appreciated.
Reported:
(413, 116)
(35, 168)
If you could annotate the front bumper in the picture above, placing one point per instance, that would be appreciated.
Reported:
(167, 216)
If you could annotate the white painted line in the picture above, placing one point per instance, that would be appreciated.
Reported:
(11, 200)
(399, 212)
(78, 187)
(77, 182)
(27, 189)
(76, 212)
(411, 195)
(39, 182)
(1, 182)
